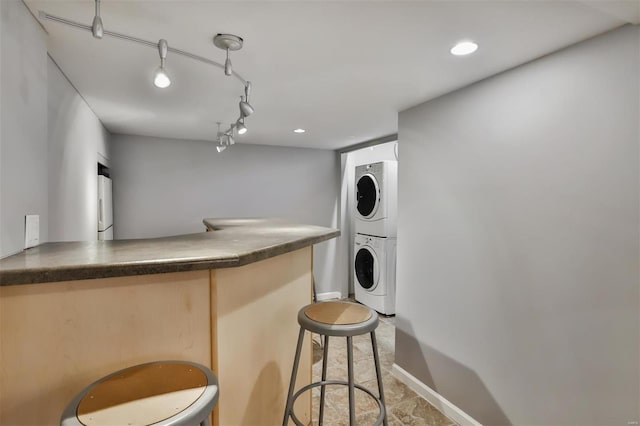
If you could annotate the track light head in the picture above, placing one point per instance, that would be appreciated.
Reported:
(221, 148)
(230, 133)
(96, 27)
(241, 128)
(245, 108)
(161, 78)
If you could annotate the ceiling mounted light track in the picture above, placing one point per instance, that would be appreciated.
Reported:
(227, 42)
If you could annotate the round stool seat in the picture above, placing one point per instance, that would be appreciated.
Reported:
(337, 318)
(158, 393)
(343, 319)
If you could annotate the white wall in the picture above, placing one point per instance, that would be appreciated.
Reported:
(349, 161)
(23, 125)
(50, 141)
(77, 140)
(518, 244)
(166, 187)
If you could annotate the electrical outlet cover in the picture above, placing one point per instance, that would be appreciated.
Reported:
(31, 230)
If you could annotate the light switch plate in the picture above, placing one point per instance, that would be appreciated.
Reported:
(31, 230)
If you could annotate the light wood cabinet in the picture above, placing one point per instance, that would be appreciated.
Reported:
(56, 338)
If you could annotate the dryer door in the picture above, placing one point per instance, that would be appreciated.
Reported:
(367, 268)
(367, 196)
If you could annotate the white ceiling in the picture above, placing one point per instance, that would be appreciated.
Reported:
(340, 69)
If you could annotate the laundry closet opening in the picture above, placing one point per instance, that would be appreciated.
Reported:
(369, 221)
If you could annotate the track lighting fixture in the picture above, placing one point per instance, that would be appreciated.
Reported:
(247, 90)
(226, 42)
(96, 27)
(242, 129)
(229, 134)
(161, 78)
(223, 138)
(227, 65)
(245, 108)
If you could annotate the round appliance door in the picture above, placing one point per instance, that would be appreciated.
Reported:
(367, 196)
(367, 269)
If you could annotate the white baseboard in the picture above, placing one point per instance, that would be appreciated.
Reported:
(320, 297)
(441, 403)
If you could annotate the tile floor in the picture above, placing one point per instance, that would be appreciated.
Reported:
(404, 407)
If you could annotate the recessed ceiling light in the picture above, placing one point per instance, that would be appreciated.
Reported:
(299, 131)
(464, 48)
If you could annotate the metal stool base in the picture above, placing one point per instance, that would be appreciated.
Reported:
(336, 319)
(295, 419)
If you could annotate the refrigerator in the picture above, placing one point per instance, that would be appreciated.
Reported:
(105, 209)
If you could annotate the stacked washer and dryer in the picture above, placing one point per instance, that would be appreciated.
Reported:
(376, 236)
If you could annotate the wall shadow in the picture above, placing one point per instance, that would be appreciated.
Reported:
(269, 382)
(451, 379)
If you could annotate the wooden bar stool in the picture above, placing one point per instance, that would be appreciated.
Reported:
(164, 393)
(343, 319)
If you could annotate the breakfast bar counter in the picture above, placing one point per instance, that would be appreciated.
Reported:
(234, 242)
(73, 312)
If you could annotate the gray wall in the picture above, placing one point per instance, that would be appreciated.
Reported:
(23, 125)
(77, 140)
(50, 141)
(518, 245)
(166, 187)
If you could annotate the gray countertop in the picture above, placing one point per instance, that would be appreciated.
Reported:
(233, 242)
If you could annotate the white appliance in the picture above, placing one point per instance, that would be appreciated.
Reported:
(377, 199)
(375, 272)
(105, 209)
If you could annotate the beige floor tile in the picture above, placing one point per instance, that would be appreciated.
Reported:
(368, 418)
(330, 413)
(394, 390)
(393, 420)
(339, 399)
(418, 412)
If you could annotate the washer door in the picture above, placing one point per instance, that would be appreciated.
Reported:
(367, 268)
(367, 196)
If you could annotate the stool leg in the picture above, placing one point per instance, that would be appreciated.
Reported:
(352, 402)
(294, 375)
(325, 354)
(376, 360)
